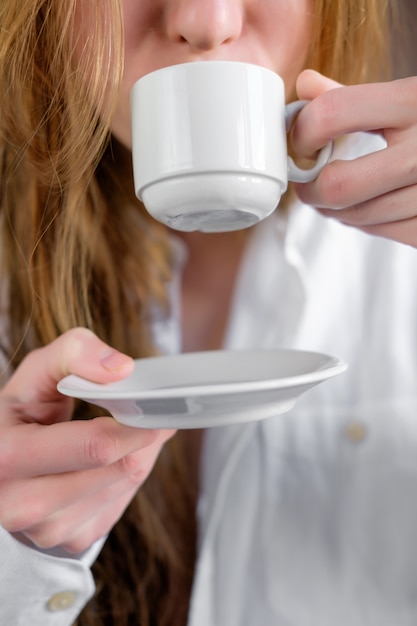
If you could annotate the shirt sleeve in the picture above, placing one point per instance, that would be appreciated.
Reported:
(41, 588)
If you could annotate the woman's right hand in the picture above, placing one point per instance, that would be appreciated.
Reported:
(65, 483)
(376, 192)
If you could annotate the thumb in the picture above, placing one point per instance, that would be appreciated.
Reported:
(78, 351)
(311, 84)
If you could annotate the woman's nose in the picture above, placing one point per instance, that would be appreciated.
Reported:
(204, 24)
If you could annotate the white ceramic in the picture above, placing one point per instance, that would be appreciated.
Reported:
(209, 144)
(204, 389)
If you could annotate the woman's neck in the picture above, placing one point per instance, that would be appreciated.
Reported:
(208, 285)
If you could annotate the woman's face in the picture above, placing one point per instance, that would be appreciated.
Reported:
(271, 33)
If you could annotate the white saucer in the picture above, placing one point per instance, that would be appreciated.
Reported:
(203, 389)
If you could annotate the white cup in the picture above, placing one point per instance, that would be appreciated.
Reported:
(209, 144)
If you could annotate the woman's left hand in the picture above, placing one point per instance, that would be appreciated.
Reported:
(376, 192)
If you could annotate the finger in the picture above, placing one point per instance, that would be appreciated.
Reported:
(344, 110)
(27, 505)
(404, 231)
(76, 528)
(395, 206)
(97, 527)
(36, 450)
(311, 84)
(343, 184)
(14, 412)
(79, 352)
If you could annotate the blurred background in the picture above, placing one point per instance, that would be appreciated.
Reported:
(405, 38)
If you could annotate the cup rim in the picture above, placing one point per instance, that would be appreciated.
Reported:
(209, 63)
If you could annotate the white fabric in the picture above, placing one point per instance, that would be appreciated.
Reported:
(30, 578)
(307, 525)
(306, 519)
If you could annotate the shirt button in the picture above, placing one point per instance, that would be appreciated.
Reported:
(355, 432)
(61, 601)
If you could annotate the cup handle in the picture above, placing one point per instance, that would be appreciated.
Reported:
(295, 173)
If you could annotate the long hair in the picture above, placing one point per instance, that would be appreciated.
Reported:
(351, 39)
(78, 249)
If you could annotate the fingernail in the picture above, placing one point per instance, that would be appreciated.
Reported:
(113, 360)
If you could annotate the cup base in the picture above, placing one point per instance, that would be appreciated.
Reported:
(212, 202)
(212, 221)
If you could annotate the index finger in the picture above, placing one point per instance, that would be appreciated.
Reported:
(30, 450)
(370, 107)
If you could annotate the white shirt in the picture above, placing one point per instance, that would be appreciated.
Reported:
(309, 518)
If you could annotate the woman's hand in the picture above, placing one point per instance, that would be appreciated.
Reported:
(65, 483)
(377, 192)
